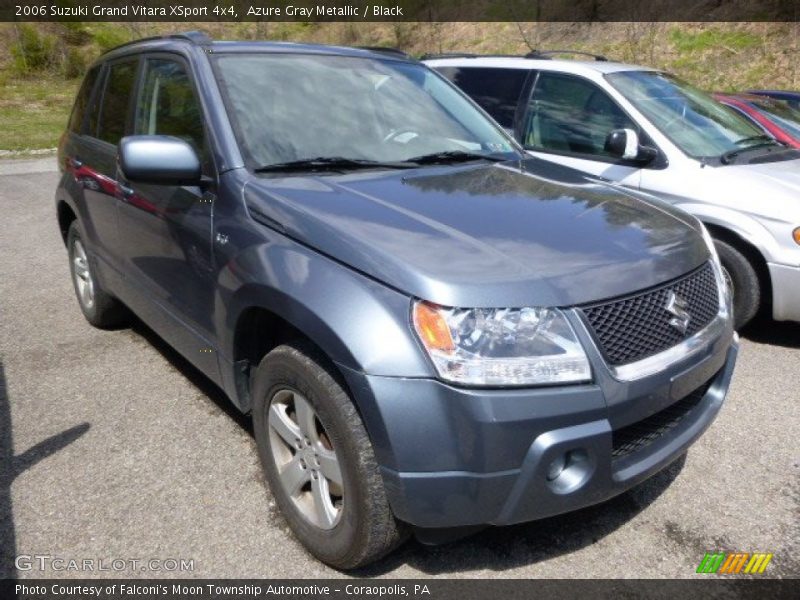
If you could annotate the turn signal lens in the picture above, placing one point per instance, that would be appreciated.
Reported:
(796, 235)
(432, 327)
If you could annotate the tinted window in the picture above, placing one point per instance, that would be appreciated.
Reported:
(82, 101)
(116, 99)
(93, 116)
(569, 114)
(167, 104)
(496, 90)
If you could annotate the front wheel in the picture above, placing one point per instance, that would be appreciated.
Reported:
(318, 460)
(742, 281)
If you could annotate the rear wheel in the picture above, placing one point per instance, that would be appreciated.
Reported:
(100, 308)
(742, 280)
(318, 460)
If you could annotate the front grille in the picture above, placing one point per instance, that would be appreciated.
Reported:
(639, 435)
(635, 327)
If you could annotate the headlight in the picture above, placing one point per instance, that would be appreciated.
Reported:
(501, 346)
(725, 293)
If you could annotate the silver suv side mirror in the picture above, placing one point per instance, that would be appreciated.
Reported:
(624, 144)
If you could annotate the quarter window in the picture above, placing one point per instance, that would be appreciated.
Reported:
(116, 99)
(571, 115)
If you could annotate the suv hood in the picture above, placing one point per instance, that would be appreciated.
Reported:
(483, 235)
(769, 189)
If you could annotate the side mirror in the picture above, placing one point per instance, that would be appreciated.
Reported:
(160, 160)
(624, 144)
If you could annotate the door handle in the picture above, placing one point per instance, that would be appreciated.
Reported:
(75, 163)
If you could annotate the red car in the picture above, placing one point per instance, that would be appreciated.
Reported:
(775, 117)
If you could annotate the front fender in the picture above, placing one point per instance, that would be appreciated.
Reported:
(746, 227)
(358, 322)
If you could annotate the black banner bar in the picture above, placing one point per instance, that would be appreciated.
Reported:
(393, 589)
(402, 10)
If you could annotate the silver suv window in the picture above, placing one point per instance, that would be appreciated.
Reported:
(695, 122)
(497, 91)
(568, 114)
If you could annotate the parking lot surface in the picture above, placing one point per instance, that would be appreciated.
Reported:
(113, 447)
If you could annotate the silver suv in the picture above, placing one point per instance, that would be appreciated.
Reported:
(650, 131)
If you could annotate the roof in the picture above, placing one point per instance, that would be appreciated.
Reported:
(743, 96)
(748, 98)
(507, 62)
(783, 94)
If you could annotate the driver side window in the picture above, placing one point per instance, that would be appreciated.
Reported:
(168, 106)
(570, 115)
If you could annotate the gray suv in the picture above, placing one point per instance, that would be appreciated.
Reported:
(432, 331)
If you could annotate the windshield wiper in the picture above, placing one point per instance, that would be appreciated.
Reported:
(452, 156)
(329, 163)
(727, 157)
(754, 138)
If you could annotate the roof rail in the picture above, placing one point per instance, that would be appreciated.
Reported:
(429, 56)
(547, 54)
(385, 50)
(196, 37)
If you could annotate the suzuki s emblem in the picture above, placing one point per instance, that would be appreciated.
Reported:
(676, 306)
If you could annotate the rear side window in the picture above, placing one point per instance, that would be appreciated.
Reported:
(116, 100)
(496, 90)
(168, 104)
(82, 101)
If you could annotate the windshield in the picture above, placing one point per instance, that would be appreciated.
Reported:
(295, 107)
(780, 113)
(695, 122)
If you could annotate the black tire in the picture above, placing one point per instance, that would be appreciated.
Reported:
(104, 311)
(744, 283)
(366, 529)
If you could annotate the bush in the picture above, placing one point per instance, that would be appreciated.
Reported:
(74, 64)
(75, 34)
(109, 37)
(33, 52)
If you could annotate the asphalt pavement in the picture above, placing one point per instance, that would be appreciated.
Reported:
(113, 448)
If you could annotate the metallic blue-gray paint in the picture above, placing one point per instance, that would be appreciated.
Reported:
(341, 258)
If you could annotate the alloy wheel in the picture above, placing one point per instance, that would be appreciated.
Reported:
(307, 464)
(81, 273)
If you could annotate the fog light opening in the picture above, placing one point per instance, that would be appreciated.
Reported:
(569, 471)
(556, 467)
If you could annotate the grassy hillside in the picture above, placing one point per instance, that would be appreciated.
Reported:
(41, 64)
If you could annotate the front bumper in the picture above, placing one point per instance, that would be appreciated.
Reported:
(785, 292)
(456, 457)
